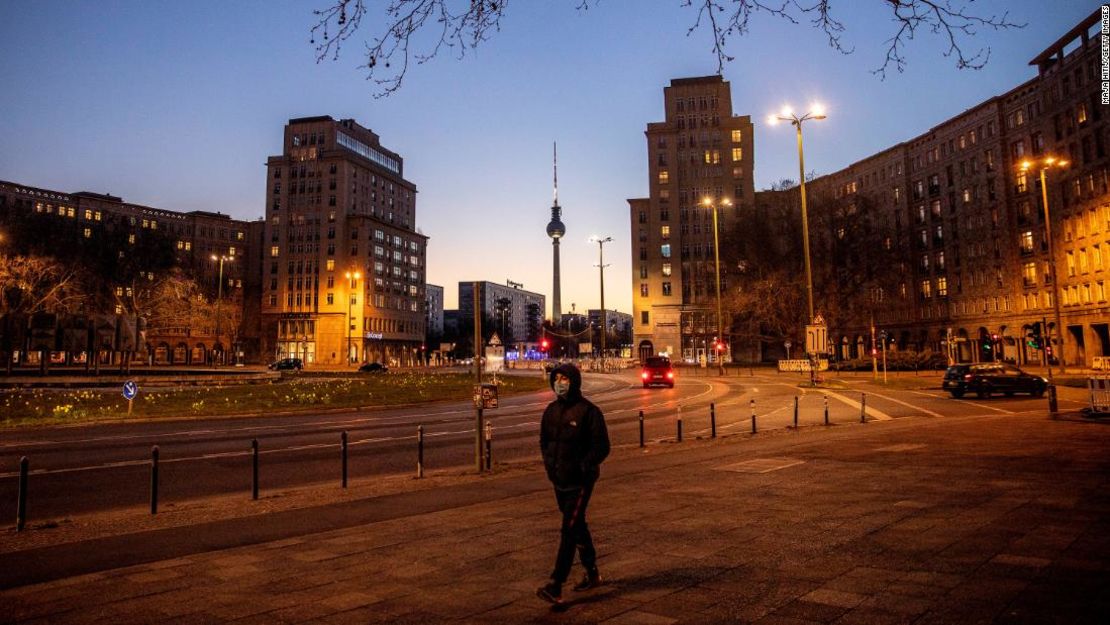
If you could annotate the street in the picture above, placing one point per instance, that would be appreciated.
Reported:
(94, 468)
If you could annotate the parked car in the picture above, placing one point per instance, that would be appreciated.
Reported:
(987, 379)
(373, 367)
(286, 364)
(657, 370)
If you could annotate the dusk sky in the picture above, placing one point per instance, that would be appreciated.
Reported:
(178, 105)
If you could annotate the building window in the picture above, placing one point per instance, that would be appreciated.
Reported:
(736, 136)
(926, 289)
(643, 289)
(1029, 274)
(942, 286)
(665, 250)
(643, 272)
(330, 299)
(1027, 242)
(667, 289)
(274, 251)
(1021, 184)
(664, 176)
(667, 269)
(665, 232)
(737, 154)
(88, 233)
(644, 317)
(330, 264)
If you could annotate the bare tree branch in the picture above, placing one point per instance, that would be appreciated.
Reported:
(465, 24)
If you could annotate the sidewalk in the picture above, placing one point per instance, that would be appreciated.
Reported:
(926, 521)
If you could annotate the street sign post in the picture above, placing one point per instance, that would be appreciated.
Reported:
(485, 396)
(130, 390)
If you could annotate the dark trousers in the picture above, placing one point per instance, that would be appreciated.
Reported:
(575, 532)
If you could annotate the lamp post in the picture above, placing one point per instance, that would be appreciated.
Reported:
(717, 269)
(1044, 165)
(601, 270)
(352, 294)
(787, 115)
(219, 296)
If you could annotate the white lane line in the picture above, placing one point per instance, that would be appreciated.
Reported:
(878, 414)
(898, 401)
(981, 405)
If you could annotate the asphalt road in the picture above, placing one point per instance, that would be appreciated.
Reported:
(79, 469)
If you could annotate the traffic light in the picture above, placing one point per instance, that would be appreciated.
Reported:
(1033, 338)
(544, 345)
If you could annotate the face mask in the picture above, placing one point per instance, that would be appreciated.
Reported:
(562, 388)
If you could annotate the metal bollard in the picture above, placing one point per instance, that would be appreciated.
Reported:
(753, 415)
(343, 456)
(863, 407)
(489, 446)
(712, 420)
(21, 500)
(154, 480)
(795, 412)
(641, 428)
(254, 469)
(1053, 408)
(419, 451)
(679, 424)
(826, 409)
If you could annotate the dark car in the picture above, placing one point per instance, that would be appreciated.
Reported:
(987, 379)
(286, 364)
(657, 370)
(374, 367)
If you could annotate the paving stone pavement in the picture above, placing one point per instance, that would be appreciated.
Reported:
(925, 521)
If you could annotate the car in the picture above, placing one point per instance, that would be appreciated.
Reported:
(989, 378)
(286, 364)
(373, 367)
(657, 370)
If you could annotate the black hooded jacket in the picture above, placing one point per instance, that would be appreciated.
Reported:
(573, 437)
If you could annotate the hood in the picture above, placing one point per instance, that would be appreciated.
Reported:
(573, 375)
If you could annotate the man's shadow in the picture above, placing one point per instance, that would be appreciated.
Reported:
(677, 579)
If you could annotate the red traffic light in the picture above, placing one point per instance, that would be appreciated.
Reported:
(543, 345)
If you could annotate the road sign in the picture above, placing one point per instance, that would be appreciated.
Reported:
(130, 390)
(817, 339)
(495, 341)
(485, 396)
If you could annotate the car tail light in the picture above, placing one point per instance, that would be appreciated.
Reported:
(967, 378)
(670, 375)
(644, 375)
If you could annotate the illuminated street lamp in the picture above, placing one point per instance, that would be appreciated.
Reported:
(219, 296)
(787, 115)
(601, 269)
(352, 284)
(1048, 162)
(717, 262)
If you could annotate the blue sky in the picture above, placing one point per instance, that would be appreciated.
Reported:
(177, 105)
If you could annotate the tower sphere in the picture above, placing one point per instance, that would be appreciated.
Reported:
(556, 229)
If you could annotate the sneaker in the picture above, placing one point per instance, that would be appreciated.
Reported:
(551, 592)
(591, 580)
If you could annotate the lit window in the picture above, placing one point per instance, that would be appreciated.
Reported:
(665, 232)
(131, 238)
(664, 176)
(942, 286)
(88, 233)
(666, 269)
(1027, 242)
(737, 154)
(188, 246)
(926, 289)
(330, 264)
(643, 289)
(665, 250)
(736, 136)
(273, 251)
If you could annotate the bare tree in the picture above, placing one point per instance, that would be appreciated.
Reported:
(464, 24)
(35, 284)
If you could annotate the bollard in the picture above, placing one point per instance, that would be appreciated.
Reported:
(863, 407)
(21, 501)
(641, 428)
(753, 415)
(489, 446)
(154, 479)
(343, 456)
(679, 424)
(419, 451)
(712, 420)
(826, 409)
(795, 412)
(254, 469)
(1053, 408)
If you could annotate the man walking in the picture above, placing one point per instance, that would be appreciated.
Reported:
(574, 441)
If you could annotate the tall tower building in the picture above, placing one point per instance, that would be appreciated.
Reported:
(344, 266)
(701, 151)
(556, 230)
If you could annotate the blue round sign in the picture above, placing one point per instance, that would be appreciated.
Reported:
(130, 390)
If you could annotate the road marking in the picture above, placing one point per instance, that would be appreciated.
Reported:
(898, 401)
(878, 414)
(1002, 410)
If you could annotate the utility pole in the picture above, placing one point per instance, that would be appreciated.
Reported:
(477, 378)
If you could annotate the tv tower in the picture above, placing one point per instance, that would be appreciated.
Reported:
(556, 230)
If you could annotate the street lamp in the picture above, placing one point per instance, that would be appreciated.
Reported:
(219, 296)
(352, 283)
(787, 115)
(717, 261)
(601, 270)
(1044, 165)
